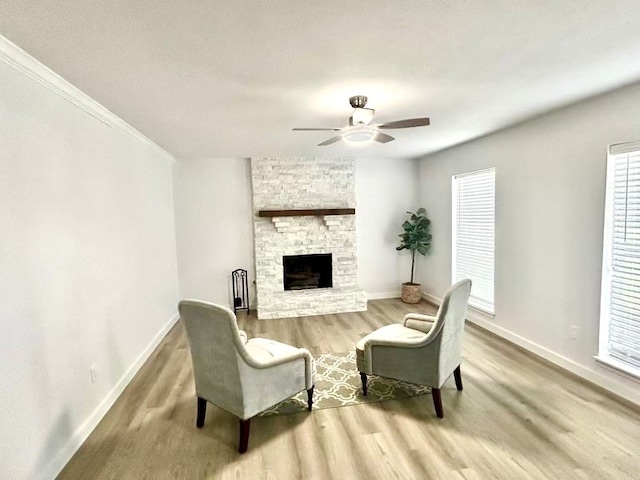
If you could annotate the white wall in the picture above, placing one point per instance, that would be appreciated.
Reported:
(214, 226)
(550, 185)
(88, 272)
(385, 190)
(215, 232)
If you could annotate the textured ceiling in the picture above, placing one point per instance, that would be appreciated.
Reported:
(229, 78)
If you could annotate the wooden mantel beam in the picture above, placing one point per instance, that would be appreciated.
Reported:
(307, 212)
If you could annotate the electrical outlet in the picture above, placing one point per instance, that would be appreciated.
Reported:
(575, 330)
(93, 371)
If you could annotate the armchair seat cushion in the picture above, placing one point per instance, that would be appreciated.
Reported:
(263, 349)
(396, 333)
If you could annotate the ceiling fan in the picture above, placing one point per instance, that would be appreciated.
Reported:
(360, 128)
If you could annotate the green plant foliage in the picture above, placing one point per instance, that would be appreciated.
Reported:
(416, 236)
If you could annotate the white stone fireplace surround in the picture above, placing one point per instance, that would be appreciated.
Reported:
(298, 184)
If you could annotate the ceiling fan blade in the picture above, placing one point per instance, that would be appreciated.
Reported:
(410, 122)
(383, 137)
(335, 139)
(316, 129)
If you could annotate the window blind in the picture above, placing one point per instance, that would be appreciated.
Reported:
(474, 234)
(621, 270)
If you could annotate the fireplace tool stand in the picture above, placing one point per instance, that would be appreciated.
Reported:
(240, 287)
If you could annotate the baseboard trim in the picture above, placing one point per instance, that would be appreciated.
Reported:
(383, 295)
(595, 377)
(56, 465)
(431, 298)
(19, 60)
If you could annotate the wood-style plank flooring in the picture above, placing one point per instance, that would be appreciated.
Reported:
(517, 417)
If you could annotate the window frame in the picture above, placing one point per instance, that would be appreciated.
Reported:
(474, 302)
(603, 356)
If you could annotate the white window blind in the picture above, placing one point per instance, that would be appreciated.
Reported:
(620, 306)
(474, 234)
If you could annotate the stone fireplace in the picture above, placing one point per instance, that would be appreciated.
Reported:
(305, 237)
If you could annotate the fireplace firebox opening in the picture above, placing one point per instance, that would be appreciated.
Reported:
(307, 271)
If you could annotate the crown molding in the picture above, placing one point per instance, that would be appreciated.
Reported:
(21, 61)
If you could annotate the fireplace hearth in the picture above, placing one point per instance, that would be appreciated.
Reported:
(303, 272)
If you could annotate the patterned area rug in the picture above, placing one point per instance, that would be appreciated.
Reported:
(338, 385)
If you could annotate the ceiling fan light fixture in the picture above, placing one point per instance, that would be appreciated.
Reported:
(362, 116)
(359, 134)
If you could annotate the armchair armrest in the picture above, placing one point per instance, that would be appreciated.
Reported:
(390, 336)
(419, 322)
(418, 316)
(280, 358)
(269, 353)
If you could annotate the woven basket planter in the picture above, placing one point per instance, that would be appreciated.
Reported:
(411, 293)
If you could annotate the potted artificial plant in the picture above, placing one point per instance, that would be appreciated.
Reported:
(415, 238)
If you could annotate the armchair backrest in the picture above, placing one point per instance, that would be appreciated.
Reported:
(216, 348)
(450, 321)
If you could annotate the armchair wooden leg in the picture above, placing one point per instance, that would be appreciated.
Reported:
(458, 376)
(310, 397)
(437, 402)
(363, 377)
(202, 410)
(244, 435)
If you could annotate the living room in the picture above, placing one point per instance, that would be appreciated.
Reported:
(104, 231)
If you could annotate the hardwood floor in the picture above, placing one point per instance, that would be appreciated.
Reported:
(518, 417)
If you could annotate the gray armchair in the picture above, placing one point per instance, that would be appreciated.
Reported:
(424, 350)
(243, 377)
